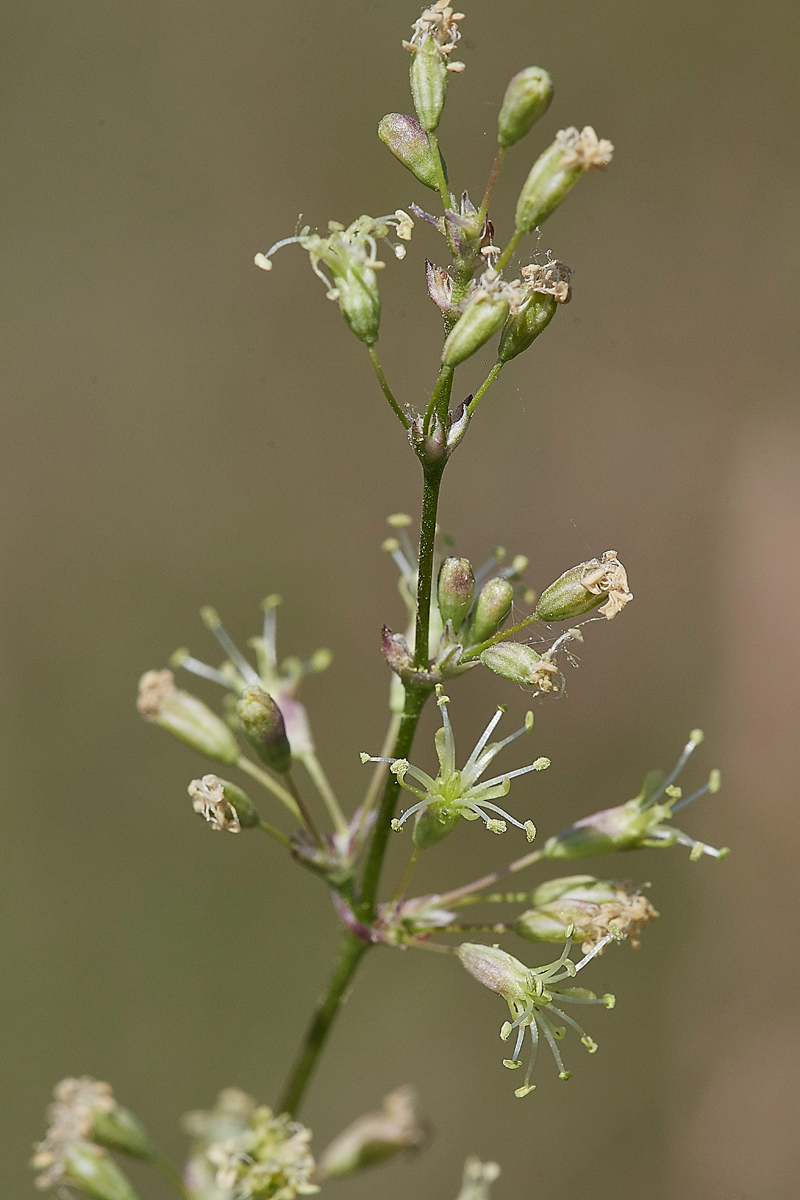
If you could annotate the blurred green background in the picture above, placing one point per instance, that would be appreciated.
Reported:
(181, 429)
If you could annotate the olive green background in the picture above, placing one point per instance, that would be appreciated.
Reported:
(180, 429)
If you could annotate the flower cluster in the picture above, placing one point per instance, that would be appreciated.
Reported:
(267, 1160)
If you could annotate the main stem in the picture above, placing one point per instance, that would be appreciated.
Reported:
(352, 948)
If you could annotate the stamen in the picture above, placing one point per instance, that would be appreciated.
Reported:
(270, 630)
(688, 799)
(196, 667)
(502, 812)
(414, 808)
(695, 738)
(565, 1017)
(493, 751)
(212, 622)
(392, 546)
(534, 1028)
(482, 740)
(551, 1041)
(541, 764)
(482, 574)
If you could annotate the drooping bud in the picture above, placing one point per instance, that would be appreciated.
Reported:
(411, 146)
(512, 660)
(456, 588)
(263, 726)
(584, 587)
(491, 609)
(483, 317)
(120, 1130)
(496, 970)
(91, 1169)
(556, 171)
(186, 717)
(523, 327)
(527, 98)
(375, 1137)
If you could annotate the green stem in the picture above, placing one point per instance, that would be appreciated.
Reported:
(351, 952)
(467, 889)
(476, 651)
(487, 383)
(416, 695)
(427, 536)
(276, 834)
(444, 191)
(487, 196)
(509, 250)
(244, 764)
(440, 397)
(307, 819)
(387, 391)
(172, 1175)
(320, 781)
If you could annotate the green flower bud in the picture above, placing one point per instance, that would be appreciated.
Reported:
(356, 290)
(496, 970)
(527, 98)
(411, 146)
(455, 591)
(556, 171)
(433, 824)
(375, 1137)
(186, 717)
(263, 726)
(625, 827)
(584, 587)
(120, 1130)
(91, 1169)
(514, 661)
(523, 327)
(428, 83)
(483, 317)
(491, 609)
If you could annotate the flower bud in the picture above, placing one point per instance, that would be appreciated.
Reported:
(527, 98)
(523, 327)
(359, 300)
(375, 1137)
(428, 83)
(512, 660)
(483, 317)
(556, 171)
(263, 726)
(496, 970)
(186, 717)
(432, 825)
(491, 609)
(411, 146)
(584, 587)
(120, 1130)
(456, 589)
(90, 1168)
(625, 827)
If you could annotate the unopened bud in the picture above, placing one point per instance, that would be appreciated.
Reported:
(556, 171)
(496, 970)
(511, 660)
(523, 327)
(456, 589)
(263, 726)
(90, 1168)
(625, 827)
(411, 146)
(527, 98)
(359, 300)
(375, 1137)
(491, 609)
(584, 587)
(186, 717)
(120, 1130)
(428, 83)
(483, 317)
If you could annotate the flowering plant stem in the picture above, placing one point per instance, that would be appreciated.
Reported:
(352, 949)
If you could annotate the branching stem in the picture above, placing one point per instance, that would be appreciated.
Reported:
(387, 391)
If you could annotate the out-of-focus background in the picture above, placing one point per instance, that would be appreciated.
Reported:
(181, 429)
